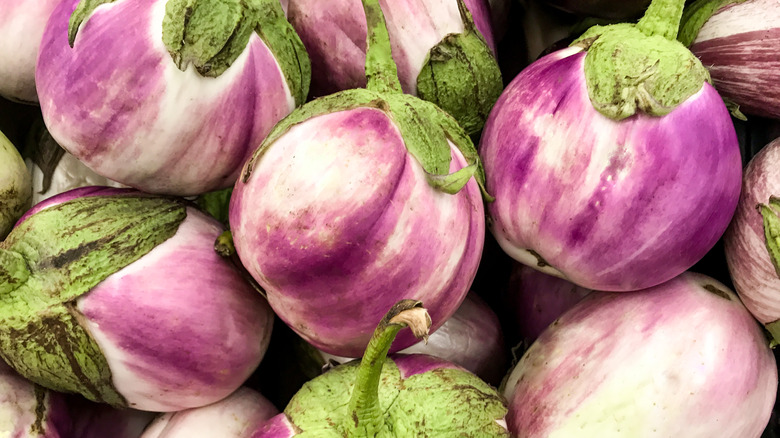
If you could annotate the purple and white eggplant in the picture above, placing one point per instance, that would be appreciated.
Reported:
(120, 296)
(444, 50)
(21, 27)
(739, 42)
(168, 96)
(403, 395)
(684, 358)
(15, 186)
(536, 300)
(751, 241)
(30, 411)
(471, 338)
(614, 163)
(238, 416)
(356, 200)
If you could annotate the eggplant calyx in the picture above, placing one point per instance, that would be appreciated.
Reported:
(209, 34)
(641, 67)
(461, 76)
(82, 12)
(771, 220)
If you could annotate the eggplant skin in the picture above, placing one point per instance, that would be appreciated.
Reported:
(684, 358)
(740, 45)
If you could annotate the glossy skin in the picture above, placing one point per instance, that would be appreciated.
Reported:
(740, 45)
(607, 205)
(334, 33)
(185, 134)
(684, 358)
(164, 355)
(750, 266)
(338, 222)
(21, 27)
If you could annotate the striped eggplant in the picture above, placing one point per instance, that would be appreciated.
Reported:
(681, 359)
(30, 411)
(356, 200)
(168, 96)
(614, 163)
(120, 296)
(471, 338)
(15, 186)
(739, 42)
(444, 49)
(535, 300)
(21, 27)
(399, 396)
(751, 242)
(238, 416)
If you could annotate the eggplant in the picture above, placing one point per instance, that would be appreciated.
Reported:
(614, 163)
(356, 200)
(189, 90)
(119, 296)
(684, 358)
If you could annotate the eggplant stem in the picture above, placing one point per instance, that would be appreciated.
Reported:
(381, 71)
(662, 18)
(367, 418)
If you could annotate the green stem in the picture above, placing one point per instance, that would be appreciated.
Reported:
(366, 419)
(662, 18)
(381, 71)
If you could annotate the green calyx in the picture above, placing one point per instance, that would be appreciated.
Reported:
(15, 186)
(82, 12)
(49, 261)
(641, 67)
(461, 76)
(696, 15)
(211, 34)
(370, 398)
(769, 213)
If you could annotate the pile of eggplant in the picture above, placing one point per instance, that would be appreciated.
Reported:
(389, 218)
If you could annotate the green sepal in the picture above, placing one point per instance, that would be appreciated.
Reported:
(453, 182)
(83, 10)
(772, 230)
(211, 34)
(628, 71)
(287, 47)
(696, 15)
(67, 249)
(773, 328)
(461, 75)
(216, 204)
(44, 151)
(641, 67)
